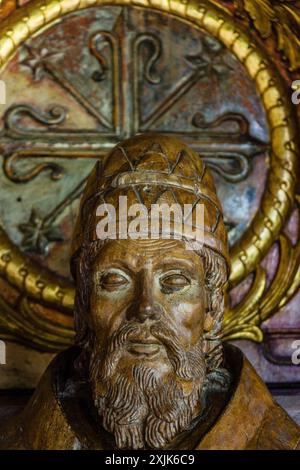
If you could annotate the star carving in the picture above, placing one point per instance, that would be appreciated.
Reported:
(37, 234)
(37, 60)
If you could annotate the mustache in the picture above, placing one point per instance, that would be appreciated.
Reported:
(187, 365)
(137, 405)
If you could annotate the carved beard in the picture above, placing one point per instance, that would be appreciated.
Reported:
(140, 405)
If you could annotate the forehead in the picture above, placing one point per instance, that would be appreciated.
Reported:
(138, 253)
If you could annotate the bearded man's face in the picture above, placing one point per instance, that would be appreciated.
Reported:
(147, 367)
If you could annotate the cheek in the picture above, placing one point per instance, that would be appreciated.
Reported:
(108, 310)
(187, 311)
(191, 318)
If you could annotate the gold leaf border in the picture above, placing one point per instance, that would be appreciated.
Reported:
(279, 193)
(279, 19)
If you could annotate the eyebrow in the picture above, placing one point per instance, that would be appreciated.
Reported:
(171, 262)
(166, 263)
(120, 264)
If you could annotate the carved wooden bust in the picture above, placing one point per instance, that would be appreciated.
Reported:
(149, 370)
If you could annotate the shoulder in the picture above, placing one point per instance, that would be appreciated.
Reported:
(41, 425)
(277, 431)
(258, 421)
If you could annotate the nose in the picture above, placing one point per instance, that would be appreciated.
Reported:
(145, 308)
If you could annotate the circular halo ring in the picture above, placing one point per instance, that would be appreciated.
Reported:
(279, 193)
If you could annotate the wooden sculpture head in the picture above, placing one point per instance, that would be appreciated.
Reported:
(149, 311)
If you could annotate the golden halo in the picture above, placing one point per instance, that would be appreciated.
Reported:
(279, 193)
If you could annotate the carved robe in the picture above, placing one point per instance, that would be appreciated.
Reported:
(58, 416)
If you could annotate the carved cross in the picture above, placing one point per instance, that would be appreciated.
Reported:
(225, 144)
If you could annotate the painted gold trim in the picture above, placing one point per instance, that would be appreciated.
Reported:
(279, 194)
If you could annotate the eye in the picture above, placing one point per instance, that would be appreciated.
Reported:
(113, 281)
(174, 282)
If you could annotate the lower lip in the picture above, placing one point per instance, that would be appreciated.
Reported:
(144, 349)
